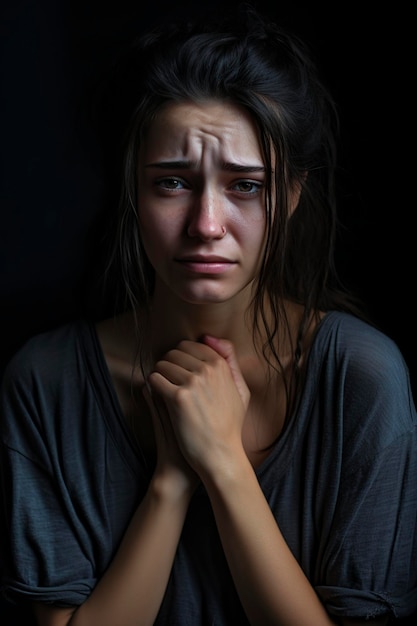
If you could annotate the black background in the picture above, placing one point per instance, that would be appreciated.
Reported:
(55, 175)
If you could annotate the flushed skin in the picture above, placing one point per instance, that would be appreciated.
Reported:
(224, 258)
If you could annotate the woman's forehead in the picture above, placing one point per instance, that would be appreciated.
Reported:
(191, 130)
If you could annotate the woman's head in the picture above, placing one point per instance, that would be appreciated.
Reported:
(250, 62)
(200, 203)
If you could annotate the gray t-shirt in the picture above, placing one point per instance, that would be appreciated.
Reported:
(341, 481)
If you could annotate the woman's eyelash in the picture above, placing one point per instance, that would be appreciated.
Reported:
(248, 186)
(241, 186)
(171, 182)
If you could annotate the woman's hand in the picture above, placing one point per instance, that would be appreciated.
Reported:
(172, 473)
(206, 398)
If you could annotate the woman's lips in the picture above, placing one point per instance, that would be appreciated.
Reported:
(209, 264)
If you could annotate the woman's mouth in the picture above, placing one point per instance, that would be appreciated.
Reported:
(206, 264)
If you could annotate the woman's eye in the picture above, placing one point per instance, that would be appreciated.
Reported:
(171, 183)
(248, 186)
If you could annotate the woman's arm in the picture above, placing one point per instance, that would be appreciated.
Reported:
(131, 591)
(272, 587)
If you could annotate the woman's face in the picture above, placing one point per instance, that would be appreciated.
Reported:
(201, 200)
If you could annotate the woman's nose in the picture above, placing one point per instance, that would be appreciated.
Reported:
(206, 220)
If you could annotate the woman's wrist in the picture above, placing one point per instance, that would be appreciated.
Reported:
(172, 486)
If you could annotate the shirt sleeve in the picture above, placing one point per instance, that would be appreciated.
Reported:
(70, 478)
(43, 538)
(369, 564)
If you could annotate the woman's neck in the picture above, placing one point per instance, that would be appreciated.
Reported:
(174, 320)
(171, 320)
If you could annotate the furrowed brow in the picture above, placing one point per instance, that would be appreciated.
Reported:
(170, 165)
(186, 165)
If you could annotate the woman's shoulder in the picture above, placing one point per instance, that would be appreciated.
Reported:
(354, 338)
(47, 372)
(367, 368)
(49, 350)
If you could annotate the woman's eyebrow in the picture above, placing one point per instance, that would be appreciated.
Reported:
(226, 165)
(237, 167)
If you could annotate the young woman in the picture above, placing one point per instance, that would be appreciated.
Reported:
(236, 445)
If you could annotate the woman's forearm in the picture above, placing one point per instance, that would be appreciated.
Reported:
(131, 591)
(272, 586)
